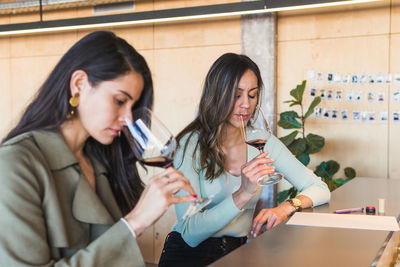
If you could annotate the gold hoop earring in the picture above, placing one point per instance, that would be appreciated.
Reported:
(74, 102)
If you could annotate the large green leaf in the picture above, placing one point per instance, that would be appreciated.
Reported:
(304, 158)
(315, 143)
(330, 183)
(288, 139)
(285, 194)
(298, 92)
(327, 169)
(288, 120)
(350, 172)
(298, 146)
(340, 181)
(312, 106)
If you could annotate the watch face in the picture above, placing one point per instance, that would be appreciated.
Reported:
(296, 202)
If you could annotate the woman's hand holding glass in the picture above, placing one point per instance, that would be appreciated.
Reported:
(157, 196)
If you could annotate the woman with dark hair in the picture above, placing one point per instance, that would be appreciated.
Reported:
(214, 157)
(70, 191)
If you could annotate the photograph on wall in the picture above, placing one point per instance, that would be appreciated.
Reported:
(339, 94)
(350, 95)
(380, 97)
(354, 79)
(384, 116)
(329, 77)
(372, 116)
(396, 96)
(337, 77)
(397, 78)
(345, 115)
(322, 93)
(313, 91)
(334, 114)
(396, 116)
(356, 115)
(345, 78)
(379, 78)
(371, 79)
(388, 78)
(318, 112)
(370, 97)
(320, 76)
(358, 96)
(329, 95)
(363, 79)
(326, 113)
(364, 116)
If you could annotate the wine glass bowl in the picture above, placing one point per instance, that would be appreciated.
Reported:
(257, 138)
(154, 145)
(150, 140)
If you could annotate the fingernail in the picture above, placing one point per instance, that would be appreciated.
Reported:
(194, 195)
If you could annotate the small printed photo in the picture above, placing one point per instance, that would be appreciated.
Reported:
(388, 78)
(363, 79)
(358, 96)
(322, 93)
(364, 116)
(310, 75)
(320, 76)
(396, 96)
(371, 116)
(350, 96)
(345, 78)
(397, 78)
(371, 79)
(354, 78)
(329, 77)
(329, 94)
(339, 94)
(318, 112)
(326, 113)
(384, 116)
(380, 97)
(337, 78)
(379, 78)
(345, 115)
(370, 97)
(334, 114)
(313, 91)
(396, 116)
(356, 115)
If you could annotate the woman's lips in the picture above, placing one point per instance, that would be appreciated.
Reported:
(114, 132)
(243, 116)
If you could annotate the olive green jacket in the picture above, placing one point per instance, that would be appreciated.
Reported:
(49, 214)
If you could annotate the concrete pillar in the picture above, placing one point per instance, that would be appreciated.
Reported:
(258, 42)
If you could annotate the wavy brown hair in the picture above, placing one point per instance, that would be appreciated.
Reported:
(216, 106)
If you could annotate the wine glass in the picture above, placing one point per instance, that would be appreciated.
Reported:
(257, 138)
(154, 145)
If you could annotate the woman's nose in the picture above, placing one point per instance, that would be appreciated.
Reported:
(245, 101)
(126, 115)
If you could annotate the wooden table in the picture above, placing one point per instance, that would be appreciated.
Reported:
(288, 245)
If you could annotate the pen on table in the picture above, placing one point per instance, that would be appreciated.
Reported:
(348, 210)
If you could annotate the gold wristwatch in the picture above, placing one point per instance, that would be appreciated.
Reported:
(296, 203)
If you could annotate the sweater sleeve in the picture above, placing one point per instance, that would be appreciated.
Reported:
(306, 182)
(201, 225)
(25, 240)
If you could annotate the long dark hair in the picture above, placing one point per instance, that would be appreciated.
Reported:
(216, 106)
(103, 56)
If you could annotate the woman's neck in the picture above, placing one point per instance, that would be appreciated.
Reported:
(75, 136)
(232, 136)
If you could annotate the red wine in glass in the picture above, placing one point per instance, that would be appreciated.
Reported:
(163, 162)
(257, 143)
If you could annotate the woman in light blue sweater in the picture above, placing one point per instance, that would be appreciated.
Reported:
(214, 157)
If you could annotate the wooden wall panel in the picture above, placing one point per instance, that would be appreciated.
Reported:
(5, 99)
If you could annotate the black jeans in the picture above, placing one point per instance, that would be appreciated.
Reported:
(177, 253)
